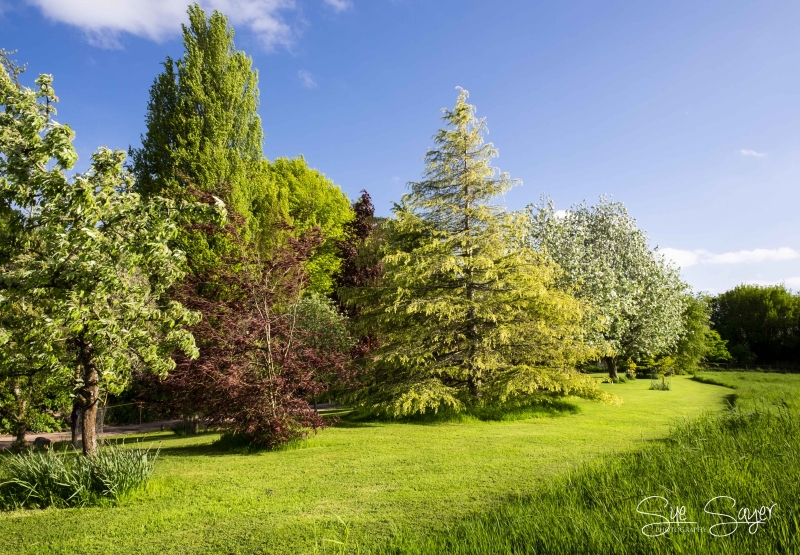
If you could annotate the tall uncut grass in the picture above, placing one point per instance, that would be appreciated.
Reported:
(43, 479)
(752, 457)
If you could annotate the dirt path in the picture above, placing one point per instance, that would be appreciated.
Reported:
(5, 441)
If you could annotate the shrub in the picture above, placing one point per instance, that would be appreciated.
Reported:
(42, 479)
(664, 384)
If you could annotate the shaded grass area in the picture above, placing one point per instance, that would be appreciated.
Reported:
(749, 454)
(377, 478)
(546, 406)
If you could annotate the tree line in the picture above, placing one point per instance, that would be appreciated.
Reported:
(214, 284)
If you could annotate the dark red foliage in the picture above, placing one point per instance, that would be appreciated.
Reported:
(358, 270)
(361, 265)
(256, 370)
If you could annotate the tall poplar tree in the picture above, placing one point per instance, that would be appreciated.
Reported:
(203, 127)
(466, 312)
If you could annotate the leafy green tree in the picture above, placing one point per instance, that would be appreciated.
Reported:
(304, 198)
(31, 376)
(698, 342)
(87, 254)
(204, 133)
(466, 315)
(637, 297)
(716, 347)
(761, 323)
(203, 127)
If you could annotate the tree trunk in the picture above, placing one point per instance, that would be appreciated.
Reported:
(611, 364)
(22, 406)
(88, 395)
(76, 425)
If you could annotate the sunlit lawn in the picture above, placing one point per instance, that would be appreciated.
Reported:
(758, 389)
(375, 477)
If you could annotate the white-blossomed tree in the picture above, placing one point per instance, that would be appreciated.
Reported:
(86, 261)
(638, 297)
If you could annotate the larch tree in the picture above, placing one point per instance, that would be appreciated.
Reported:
(87, 261)
(465, 312)
(638, 299)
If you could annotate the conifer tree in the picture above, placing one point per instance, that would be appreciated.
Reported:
(466, 312)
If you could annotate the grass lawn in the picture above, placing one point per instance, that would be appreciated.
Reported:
(750, 455)
(376, 477)
(758, 389)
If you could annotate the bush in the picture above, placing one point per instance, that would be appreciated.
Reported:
(43, 479)
(664, 384)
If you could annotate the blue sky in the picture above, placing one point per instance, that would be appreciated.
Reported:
(688, 112)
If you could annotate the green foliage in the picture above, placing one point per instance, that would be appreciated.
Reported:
(203, 127)
(759, 322)
(698, 342)
(662, 383)
(326, 328)
(692, 345)
(518, 409)
(466, 313)
(716, 347)
(304, 198)
(90, 261)
(204, 137)
(204, 133)
(637, 297)
(43, 479)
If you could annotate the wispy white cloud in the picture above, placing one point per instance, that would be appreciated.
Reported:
(106, 21)
(339, 5)
(307, 79)
(791, 283)
(686, 258)
(752, 153)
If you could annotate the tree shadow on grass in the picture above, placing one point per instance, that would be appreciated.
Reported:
(549, 407)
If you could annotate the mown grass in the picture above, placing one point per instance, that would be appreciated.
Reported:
(379, 478)
(750, 454)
